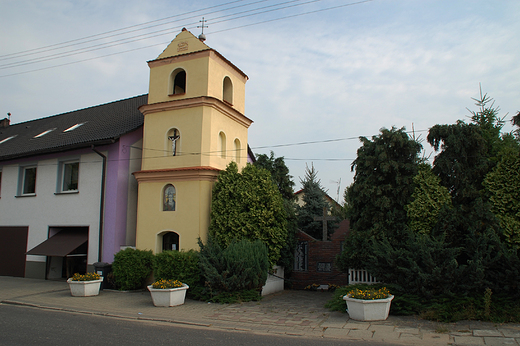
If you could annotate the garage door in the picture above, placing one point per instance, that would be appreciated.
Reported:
(13, 245)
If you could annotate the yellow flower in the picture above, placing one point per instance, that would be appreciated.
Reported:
(369, 294)
(163, 284)
(85, 277)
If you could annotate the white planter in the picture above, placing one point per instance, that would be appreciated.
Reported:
(168, 296)
(84, 288)
(368, 310)
(274, 283)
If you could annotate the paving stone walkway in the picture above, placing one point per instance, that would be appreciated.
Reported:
(291, 313)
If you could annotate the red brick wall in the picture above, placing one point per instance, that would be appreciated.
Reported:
(324, 252)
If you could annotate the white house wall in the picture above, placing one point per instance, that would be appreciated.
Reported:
(48, 209)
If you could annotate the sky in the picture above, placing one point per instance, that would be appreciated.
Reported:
(321, 73)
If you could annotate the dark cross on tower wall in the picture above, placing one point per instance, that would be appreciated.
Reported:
(326, 217)
(174, 139)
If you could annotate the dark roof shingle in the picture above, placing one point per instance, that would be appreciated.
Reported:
(101, 125)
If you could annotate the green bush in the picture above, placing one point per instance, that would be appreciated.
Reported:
(487, 306)
(242, 266)
(249, 206)
(402, 304)
(131, 268)
(179, 265)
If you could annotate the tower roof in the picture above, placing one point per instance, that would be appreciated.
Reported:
(184, 43)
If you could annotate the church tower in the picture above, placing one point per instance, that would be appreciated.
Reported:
(194, 126)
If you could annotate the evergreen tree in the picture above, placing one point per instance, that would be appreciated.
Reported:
(313, 204)
(279, 174)
(382, 187)
(463, 161)
(383, 183)
(281, 178)
(248, 205)
(503, 190)
(428, 198)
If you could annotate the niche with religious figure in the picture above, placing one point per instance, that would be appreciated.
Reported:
(169, 198)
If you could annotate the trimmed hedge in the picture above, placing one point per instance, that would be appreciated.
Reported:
(178, 265)
(131, 268)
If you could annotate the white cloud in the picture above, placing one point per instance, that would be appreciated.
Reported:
(333, 74)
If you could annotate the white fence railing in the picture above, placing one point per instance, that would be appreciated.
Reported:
(360, 276)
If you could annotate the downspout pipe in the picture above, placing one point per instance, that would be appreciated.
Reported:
(101, 203)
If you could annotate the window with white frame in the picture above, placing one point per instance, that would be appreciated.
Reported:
(27, 186)
(69, 176)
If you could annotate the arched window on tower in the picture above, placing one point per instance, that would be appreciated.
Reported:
(174, 139)
(222, 144)
(170, 241)
(227, 93)
(178, 82)
(169, 198)
(238, 149)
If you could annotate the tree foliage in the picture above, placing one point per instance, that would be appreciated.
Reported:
(383, 184)
(463, 161)
(428, 198)
(248, 205)
(313, 204)
(421, 242)
(178, 265)
(279, 174)
(131, 268)
(242, 265)
(382, 187)
(281, 178)
(503, 190)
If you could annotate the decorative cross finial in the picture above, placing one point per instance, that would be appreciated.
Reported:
(202, 37)
(203, 21)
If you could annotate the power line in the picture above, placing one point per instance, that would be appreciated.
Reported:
(122, 41)
(292, 16)
(127, 39)
(53, 46)
(167, 31)
(79, 61)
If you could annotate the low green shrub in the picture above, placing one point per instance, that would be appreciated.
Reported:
(402, 304)
(131, 268)
(497, 308)
(178, 265)
(242, 266)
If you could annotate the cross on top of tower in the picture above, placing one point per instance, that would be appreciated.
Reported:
(202, 37)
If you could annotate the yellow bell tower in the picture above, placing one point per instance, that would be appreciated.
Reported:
(194, 126)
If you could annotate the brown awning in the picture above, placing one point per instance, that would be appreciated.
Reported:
(61, 244)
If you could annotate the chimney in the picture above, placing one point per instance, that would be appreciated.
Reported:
(5, 122)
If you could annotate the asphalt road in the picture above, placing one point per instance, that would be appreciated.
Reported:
(20, 325)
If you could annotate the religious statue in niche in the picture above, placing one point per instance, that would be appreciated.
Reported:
(174, 138)
(169, 198)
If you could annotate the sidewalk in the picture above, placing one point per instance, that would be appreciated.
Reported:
(294, 313)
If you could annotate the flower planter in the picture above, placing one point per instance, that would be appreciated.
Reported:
(368, 310)
(168, 296)
(84, 288)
